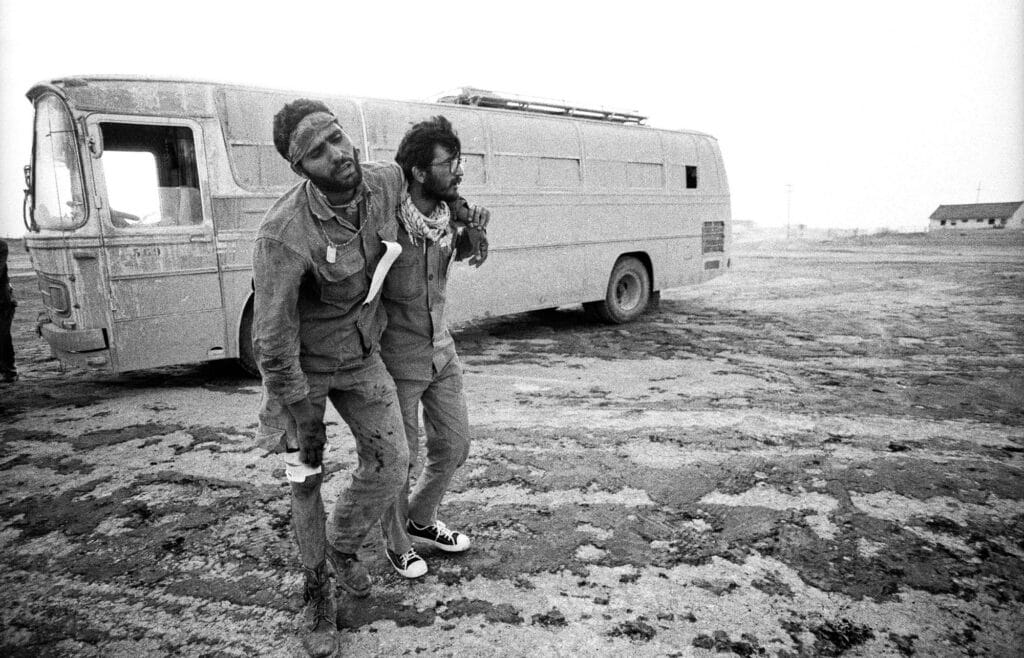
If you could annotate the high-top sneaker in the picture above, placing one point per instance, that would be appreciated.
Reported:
(408, 564)
(438, 535)
(320, 632)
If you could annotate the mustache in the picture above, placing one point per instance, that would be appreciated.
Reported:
(344, 163)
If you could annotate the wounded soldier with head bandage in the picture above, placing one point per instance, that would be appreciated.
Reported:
(317, 327)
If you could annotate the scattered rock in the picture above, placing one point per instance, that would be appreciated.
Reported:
(720, 642)
(552, 617)
(637, 629)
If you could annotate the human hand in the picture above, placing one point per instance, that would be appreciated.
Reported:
(311, 432)
(478, 217)
(478, 239)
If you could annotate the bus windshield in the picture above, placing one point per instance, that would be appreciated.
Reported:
(58, 193)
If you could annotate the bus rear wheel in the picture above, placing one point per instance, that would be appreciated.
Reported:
(629, 290)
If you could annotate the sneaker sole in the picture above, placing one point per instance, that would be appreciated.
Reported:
(444, 547)
(409, 576)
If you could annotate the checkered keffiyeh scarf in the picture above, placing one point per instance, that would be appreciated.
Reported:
(421, 227)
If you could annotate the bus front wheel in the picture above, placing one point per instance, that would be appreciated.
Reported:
(246, 358)
(629, 290)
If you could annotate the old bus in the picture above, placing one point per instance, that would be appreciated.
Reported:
(144, 196)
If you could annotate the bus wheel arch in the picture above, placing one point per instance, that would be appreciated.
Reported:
(628, 293)
(246, 356)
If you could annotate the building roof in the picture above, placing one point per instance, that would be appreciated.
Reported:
(977, 210)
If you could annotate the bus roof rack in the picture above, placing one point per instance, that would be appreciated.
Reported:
(484, 98)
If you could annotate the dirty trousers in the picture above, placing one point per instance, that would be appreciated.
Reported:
(366, 399)
(446, 424)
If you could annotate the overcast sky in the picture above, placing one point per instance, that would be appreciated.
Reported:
(875, 112)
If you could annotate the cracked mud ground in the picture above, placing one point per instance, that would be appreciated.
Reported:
(819, 454)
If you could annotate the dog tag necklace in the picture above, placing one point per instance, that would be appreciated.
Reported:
(332, 247)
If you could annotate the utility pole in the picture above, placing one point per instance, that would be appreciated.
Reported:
(789, 204)
(977, 197)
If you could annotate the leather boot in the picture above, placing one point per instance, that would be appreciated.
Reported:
(349, 572)
(320, 628)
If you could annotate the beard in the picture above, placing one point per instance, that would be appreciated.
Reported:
(332, 185)
(438, 191)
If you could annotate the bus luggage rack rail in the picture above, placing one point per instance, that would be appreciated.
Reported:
(484, 98)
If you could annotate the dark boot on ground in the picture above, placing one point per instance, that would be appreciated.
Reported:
(320, 628)
(350, 573)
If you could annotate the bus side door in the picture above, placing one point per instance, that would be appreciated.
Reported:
(158, 241)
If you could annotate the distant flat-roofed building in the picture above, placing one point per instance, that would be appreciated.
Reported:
(971, 216)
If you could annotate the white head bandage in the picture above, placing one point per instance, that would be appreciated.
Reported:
(313, 128)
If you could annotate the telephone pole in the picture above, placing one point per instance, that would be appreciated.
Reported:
(977, 196)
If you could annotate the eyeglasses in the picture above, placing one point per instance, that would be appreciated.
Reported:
(453, 163)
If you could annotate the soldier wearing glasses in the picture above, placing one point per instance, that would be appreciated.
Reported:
(417, 347)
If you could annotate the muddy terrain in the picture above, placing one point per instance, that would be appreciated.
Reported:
(819, 454)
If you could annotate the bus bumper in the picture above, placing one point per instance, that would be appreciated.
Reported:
(81, 347)
(714, 267)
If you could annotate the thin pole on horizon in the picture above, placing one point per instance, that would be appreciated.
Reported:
(977, 195)
(789, 204)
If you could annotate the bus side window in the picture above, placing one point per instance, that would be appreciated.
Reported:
(691, 177)
(151, 175)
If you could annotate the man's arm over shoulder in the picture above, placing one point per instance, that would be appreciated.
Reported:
(387, 179)
(277, 275)
(385, 176)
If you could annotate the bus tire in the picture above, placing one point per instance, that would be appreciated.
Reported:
(629, 291)
(246, 358)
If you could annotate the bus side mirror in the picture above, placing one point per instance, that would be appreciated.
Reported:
(95, 140)
(27, 204)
